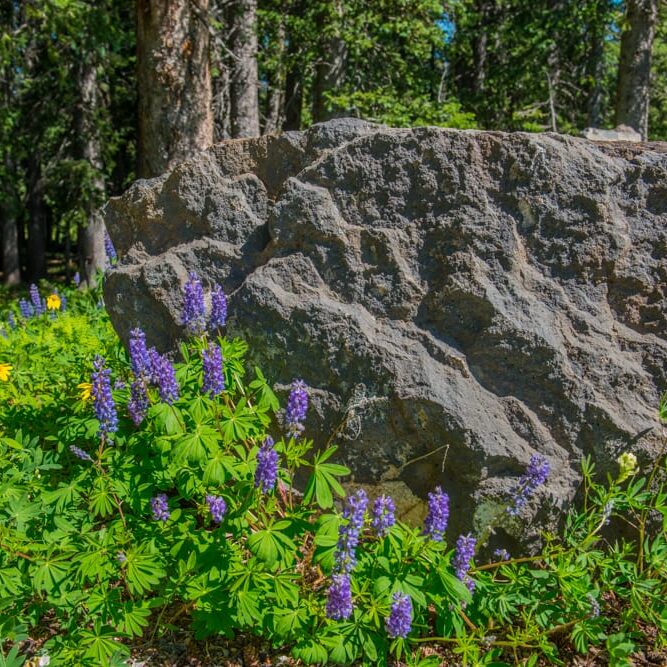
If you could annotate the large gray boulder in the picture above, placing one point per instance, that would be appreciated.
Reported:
(457, 300)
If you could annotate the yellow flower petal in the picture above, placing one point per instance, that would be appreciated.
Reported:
(53, 302)
(5, 370)
(85, 389)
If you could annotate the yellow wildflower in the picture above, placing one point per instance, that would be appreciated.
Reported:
(53, 302)
(627, 463)
(85, 389)
(4, 372)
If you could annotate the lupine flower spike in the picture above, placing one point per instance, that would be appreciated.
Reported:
(163, 376)
(536, 474)
(339, 598)
(26, 309)
(217, 507)
(214, 379)
(110, 250)
(105, 408)
(297, 406)
(348, 534)
(137, 406)
(218, 309)
(194, 308)
(399, 622)
(436, 520)
(465, 552)
(267, 466)
(139, 357)
(37, 302)
(80, 453)
(160, 507)
(383, 515)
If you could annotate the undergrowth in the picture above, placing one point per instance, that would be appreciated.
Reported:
(138, 494)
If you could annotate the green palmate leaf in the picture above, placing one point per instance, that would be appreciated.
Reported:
(51, 571)
(266, 399)
(323, 480)
(311, 652)
(143, 569)
(247, 608)
(214, 472)
(101, 643)
(168, 418)
(101, 499)
(271, 544)
(240, 424)
(289, 622)
(190, 448)
(135, 617)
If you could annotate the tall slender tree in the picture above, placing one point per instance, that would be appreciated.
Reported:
(244, 85)
(330, 68)
(634, 68)
(92, 256)
(174, 82)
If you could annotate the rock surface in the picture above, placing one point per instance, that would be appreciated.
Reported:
(459, 299)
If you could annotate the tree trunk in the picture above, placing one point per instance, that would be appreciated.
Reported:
(275, 105)
(634, 67)
(330, 69)
(596, 71)
(244, 82)
(174, 82)
(295, 69)
(92, 256)
(36, 209)
(11, 262)
(220, 67)
(480, 44)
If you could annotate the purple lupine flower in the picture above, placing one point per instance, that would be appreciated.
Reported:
(193, 316)
(435, 523)
(163, 376)
(109, 249)
(217, 507)
(348, 534)
(63, 302)
(297, 406)
(465, 552)
(26, 309)
(339, 598)
(105, 408)
(383, 515)
(140, 360)
(536, 474)
(595, 605)
(137, 406)
(214, 379)
(160, 507)
(502, 554)
(80, 453)
(76, 279)
(121, 557)
(11, 320)
(267, 466)
(37, 302)
(218, 309)
(399, 621)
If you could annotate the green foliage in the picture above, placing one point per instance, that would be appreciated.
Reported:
(80, 547)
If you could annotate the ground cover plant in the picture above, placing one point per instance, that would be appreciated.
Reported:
(139, 493)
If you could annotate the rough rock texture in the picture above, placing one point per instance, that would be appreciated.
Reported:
(460, 299)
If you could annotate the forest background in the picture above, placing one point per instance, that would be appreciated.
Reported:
(96, 93)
